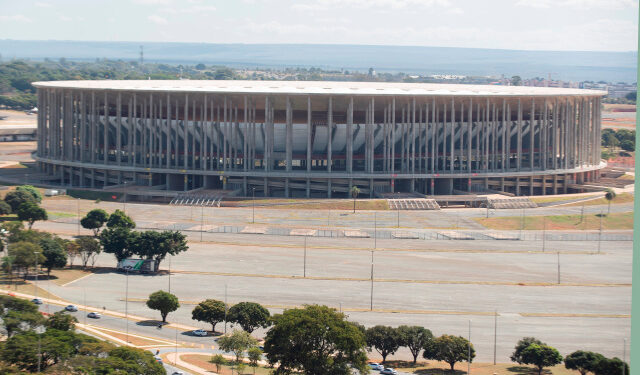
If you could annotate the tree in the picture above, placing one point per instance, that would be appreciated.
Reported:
(354, 194)
(17, 197)
(249, 315)
(157, 245)
(631, 96)
(611, 366)
(94, 220)
(254, 354)
(88, 248)
(21, 321)
(449, 349)
(119, 219)
(386, 340)
(35, 193)
(62, 321)
(609, 196)
(210, 311)
(54, 253)
(415, 338)
(609, 139)
(164, 302)
(516, 81)
(73, 250)
(218, 360)
(237, 343)
(31, 212)
(582, 361)
(240, 366)
(522, 345)
(628, 145)
(5, 209)
(118, 241)
(24, 255)
(315, 340)
(541, 356)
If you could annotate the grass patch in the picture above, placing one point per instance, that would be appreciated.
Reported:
(555, 198)
(67, 275)
(620, 198)
(441, 368)
(202, 361)
(60, 214)
(622, 220)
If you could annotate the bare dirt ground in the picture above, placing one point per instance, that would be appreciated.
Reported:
(17, 118)
(617, 116)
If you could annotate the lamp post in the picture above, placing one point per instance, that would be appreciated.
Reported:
(600, 233)
(36, 294)
(375, 230)
(201, 222)
(78, 209)
(371, 302)
(126, 306)
(304, 274)
(469, 351)
(225, 309)
(253, 205)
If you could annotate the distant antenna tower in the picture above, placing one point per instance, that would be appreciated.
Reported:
(141, 56)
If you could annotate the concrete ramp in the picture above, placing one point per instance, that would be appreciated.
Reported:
(413, 204)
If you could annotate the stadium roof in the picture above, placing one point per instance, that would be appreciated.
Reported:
(317, 88)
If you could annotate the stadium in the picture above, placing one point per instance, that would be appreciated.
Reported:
(317, 139)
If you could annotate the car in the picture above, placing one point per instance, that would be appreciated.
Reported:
(177, 373)
(71, 308)
(200, 332)
(37, 301)
(376, 366)
(94, 315)
(389, 371)
(157, 358)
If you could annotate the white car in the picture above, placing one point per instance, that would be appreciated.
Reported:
(389, 371)
(71, 308)
(376, 366)
(200, 332)
(94, 315)
(37, 301)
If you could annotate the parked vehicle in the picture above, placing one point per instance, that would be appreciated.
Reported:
(37, 301)
(94, 315)
(389, 371)
(71, 308)
(376, 366)
(200, 332)
(138, 265)
(157, 358)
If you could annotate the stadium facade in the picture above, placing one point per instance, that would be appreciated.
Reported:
(318, 139)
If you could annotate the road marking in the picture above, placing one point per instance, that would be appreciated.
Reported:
(73, 281)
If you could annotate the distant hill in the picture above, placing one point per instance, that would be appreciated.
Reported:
(569, 66)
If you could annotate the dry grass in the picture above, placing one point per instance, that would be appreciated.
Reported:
(441, 368)
(620, 198)
(18, 284)
(561, 222)
(555, 198)
(67, 275)
(202, 361)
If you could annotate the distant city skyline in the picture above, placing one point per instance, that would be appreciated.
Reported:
(559, 25)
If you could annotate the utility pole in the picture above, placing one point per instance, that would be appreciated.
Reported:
(371, 302)
(495, 335)
(304, 274)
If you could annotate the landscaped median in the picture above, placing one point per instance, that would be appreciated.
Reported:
(622, 220)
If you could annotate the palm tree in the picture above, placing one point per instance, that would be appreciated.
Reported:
(354, 193)
(609, 196)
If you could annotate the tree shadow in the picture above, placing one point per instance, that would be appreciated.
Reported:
(150, 323)
(438, 371)
(525, 370)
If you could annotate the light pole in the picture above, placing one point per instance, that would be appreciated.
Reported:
(305, 258)
(558, 267)
(126, 306)
(495, 335)
(544, 233)
(225, 309)
(201, 222)
(371, 302)
(78, 209)
(253, 205)
(469, 351)
(600, 234)
(375, 230)
(170, 273)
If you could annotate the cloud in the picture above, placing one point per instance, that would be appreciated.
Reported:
(157, 19)
(43, 5)
(368, 4)
(193, 9)
(152, 2)
(16, 18)
(578, 4)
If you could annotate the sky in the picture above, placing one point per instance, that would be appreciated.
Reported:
(564, 25)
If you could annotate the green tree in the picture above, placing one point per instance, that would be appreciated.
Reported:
(384, 339)
(210, 311)
(21, 351)
(610, 140)
(134, 361)
(541, 356)
(249, 315)
(582, 361)
(17, 197)
(35, 193)
(516, 81)
(55, 255)
(415, 338)
(354, 194)
(21, 321)
(237, 343)
(609, 196)
(449, 349)
(62, 321)
(631, 96)
(119, 219)
(611, 366)
(5, 209)
(25, 254)
(315, 340)
(240, 366)
(31, 212)
(522, 344)
(94, 220)
(157, 245)
(163, 302)
(88, 249)
(219, 361)
(628, 145)
(118, 241)
(254, 355)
